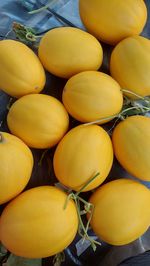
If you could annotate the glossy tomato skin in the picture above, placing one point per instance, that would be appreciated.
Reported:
(113, 21)
(92, 95)
(36, 225)
(66, 51)
(39, 120)
(81, 154)
(16, 163)
(121, 211)
(130, 65)
(131, 142)
(21, 71)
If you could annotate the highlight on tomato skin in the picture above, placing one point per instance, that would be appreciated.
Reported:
(113, 21)
(36, 225)
(121, 211)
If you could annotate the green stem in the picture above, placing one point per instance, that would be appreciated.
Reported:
(89, 220)
(70, 196)
(121, 117)
(144, 109)
(87, 183)
(79, 217)
(82, 200)
(31, 37)
(100, 120)
(88, 208)
(9, 103)
(42, 157)
(38, 36)
(135, 107)
(83, 212)
(42, 8)
(85, 235)
(109, 131)
(135, 94)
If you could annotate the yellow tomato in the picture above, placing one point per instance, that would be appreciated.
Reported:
(112, 21)
(83, 152)
(21, 71)
(16, 162)
(92, 95)
(131, 141)
(36, 225)
(39, 120)
(130, 65)
(121, 211)
(66, 51)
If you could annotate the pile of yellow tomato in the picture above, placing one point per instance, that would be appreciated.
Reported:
(34, 223)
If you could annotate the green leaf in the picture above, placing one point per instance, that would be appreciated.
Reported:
(19, 261)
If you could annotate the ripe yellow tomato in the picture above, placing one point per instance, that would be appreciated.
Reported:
(131, 141)
(83, 152)
(92, 95)
(112, 21)
(130, 65)
(36, 225)
(66, 51)
(121, 211)
(16, 163)
(21, 71)
(39, 120)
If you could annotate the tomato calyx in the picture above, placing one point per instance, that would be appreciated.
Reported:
(28, 35)
(25, 34)
(88, 208)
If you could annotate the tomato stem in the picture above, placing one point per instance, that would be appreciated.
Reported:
(60, 18)
(42, 157)
(84, 229)
(88, 208)
(42, 8)
(91, 214)
(100, 120)
(82, 200)
(121, 115)
(70, 196)
(136, 95)
(87, 183)
(134, 105)
(9, 103)
(25, 34)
